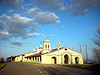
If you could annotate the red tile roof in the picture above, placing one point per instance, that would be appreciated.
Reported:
(40, 48)
(55, 49)
(14, 56)
(39, 54)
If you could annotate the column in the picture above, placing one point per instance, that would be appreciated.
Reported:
(34, 58)
(31, 58)
(39, 58)
(28, 59)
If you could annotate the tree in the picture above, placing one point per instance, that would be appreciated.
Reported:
(96, 50)
(1, 60)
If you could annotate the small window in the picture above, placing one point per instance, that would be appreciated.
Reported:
(65, 48)
(48, 46)
(45, 46)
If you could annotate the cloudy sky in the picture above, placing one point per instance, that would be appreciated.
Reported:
(24, 24)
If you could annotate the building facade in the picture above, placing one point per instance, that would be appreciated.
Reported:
(46, 55)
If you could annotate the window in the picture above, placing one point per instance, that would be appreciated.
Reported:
(65, 48)
(48, 46)
(45, 46)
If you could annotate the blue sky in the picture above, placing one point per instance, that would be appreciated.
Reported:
(24, 24)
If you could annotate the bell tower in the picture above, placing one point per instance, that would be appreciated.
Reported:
(59, 45)
(46, 46)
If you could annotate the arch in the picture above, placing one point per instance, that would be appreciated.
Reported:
(53, 60)
(13, 58)
(45, 46)
(48, 46)
(66, 59)
(76, 60)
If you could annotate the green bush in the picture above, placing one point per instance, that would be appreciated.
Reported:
(2, 65)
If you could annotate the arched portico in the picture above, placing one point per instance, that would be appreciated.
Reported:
(66, 58)
(53, 60)
(76, 60)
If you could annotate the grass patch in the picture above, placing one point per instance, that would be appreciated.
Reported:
(2, 65)
(92, 67)
(79, 66)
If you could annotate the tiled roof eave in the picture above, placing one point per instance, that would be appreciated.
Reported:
(38, 54)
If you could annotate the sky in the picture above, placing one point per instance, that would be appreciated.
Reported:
(24, 24)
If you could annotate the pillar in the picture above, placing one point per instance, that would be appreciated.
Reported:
(31, 58)
(39, 59)
(34, 58)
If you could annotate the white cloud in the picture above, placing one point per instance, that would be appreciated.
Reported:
(31, 35)
(1, 26)
(81, 7)
(48, 4)
(17, 26)
(22, 9)
(4, 35)
(33, 11)
(75, 7)
(12, 3)
(24, 27)
(10, 12)
(46, 18)
(43, 17)
(36, 34)
(4, 16)
(17, 43)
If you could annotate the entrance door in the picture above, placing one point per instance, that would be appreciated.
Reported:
(66, 59)
(76, 60)
(53, 60)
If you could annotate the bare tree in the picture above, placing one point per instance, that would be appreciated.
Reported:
(96, 50)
